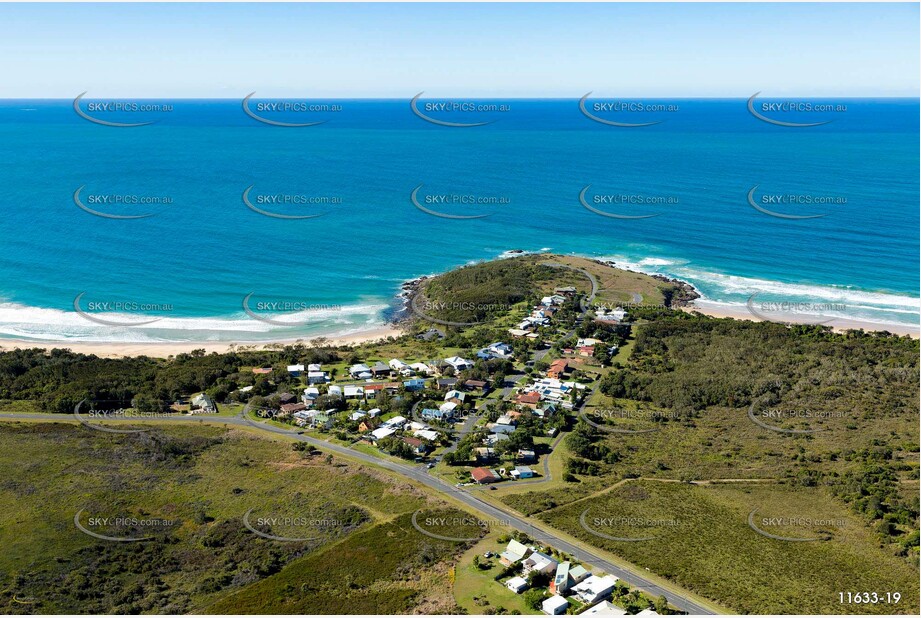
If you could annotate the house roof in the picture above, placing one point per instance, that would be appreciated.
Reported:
(262, 370)
(515, 551)
(554, 603)
(481, 474)
(532, 397)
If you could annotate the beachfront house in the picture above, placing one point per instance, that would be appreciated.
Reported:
(295, 370)
(353, 392)
(458, 363)
(360, 371)
(317, 377)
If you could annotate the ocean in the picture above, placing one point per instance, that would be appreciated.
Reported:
(738, 206)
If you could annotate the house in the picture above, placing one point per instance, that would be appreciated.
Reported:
(587, 341)
(484, 454)
(522, 472)
(475, 385)
(360, 371)
(291, 408)
(262, 370)
(526, 455)
(497, 428)
(311, 393)
(369, 424)
(373, 412)
(595, 588)
(432, 334)
(203, 403)
(426, 434)
(296, 370)
(246, 389)
(517, 584)
(565, 291)
(381, 433)
(314, 367)
(448, 407)
(586, 350)
(499, 349)
(353, 392)
(397, 365)
(606, 608)
(458, 363)
(322, 420)
(397, 421)
(505, 419)
(611, 315)
(335, 390)
(554, 606)
(446, 382)
(560, 583)
(514, 553)
(528, 399)
(558, 368)
(648, 612)
(540, 563)
(495, 438)
(549, 301)
(317, 377)
(414, 385)
(421, 368)
(357, 416)
(518, 332)
(286, 398)
(578, 574)
(545, 411)
(380, 369)
(483, 476)
(436, 415)
(419, 447)
(455, 396)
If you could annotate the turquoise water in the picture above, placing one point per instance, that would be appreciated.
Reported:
(202, 250)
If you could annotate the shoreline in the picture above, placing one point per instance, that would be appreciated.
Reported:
(714, 310)
(401, 313)
(165, 349)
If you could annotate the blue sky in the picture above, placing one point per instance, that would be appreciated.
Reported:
(501, 50)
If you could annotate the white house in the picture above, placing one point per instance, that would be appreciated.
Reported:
(396, 421)
(426, 434)
(353, 392)
(554, 605)
(502, 350)
(357, 416)
(648, 612)
(556, 299)
(595, 588)
(335, 389)
(310, 394)
(606, 608)
(397, 365)
(382, 432)
(421, 368)
(359, 371)
(317, 377)
(295, 370)
(459, 364)
(448, 407)
(314, 367)
(455, 395)
(541, 563)
(517, 584)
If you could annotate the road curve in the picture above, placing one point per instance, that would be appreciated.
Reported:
(421, 475)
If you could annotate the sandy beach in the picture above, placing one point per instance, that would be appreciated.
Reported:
(741, 313)
(166, 349)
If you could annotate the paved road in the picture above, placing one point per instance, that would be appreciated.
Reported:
(420, 475)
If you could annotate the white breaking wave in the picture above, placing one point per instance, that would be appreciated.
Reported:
(43, 324)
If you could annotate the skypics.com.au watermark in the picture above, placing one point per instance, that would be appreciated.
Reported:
(423, 308)
(435, 203)
(619, 200)
(283, 528)
(625, 528)
(793, 312)
(103, 204)
(789, 113)
(769, 203)
(603, 415)
(114, 309)
(283, 113)
(85, 411)
(266, 204)
(122, 528)
(804, 528)
(112, 113)
(459, 528)
(460, 112)
(299, 311)
(605, 112)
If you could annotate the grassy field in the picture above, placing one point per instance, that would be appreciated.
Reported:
(199, 482)
(476, 589)
(700, 539)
